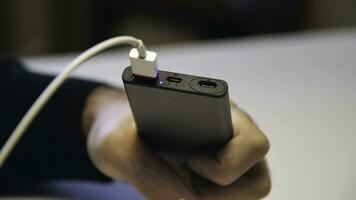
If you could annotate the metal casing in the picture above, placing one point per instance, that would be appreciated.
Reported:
(179, 115)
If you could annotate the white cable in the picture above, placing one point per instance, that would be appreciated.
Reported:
(57, 82)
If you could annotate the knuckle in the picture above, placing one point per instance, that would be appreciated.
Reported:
(263, 186)
(222, 176)
(110, 154)
(100, 161)
(222, 180)
(260, 145)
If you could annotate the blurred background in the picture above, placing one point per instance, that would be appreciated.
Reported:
(47, 26)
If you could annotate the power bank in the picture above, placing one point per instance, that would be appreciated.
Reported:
(179, 112)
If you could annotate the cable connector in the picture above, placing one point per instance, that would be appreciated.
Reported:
(146, 66)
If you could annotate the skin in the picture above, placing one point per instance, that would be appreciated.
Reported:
(236, 171)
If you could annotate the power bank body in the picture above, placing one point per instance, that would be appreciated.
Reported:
(179, 112)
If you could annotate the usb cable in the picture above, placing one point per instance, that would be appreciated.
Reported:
(143, 63)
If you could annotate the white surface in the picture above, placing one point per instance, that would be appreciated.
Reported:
(301, 90)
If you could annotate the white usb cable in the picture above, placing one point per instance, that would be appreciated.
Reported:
(144, 63)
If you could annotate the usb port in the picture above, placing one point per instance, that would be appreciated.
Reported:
(207, 84)
(174, 79)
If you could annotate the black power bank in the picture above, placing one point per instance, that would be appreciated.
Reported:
(179, 112)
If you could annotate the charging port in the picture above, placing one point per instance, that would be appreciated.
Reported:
(207, 84)
(174, 79)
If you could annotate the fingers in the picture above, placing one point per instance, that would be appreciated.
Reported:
(143, 168)
(255, 184)
(248, 146)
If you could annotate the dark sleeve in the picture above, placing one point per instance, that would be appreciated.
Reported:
(54, 146)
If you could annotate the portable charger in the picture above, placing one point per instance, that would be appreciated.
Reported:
(178, 112)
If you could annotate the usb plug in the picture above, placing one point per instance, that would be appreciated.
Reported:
(144, 67)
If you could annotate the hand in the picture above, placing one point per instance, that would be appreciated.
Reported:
(236, 171)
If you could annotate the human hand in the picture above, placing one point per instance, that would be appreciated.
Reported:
(235, 171)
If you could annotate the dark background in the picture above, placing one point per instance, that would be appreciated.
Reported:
(48, 26)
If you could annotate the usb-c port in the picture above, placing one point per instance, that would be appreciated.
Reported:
(207, 84)
(174, 79)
